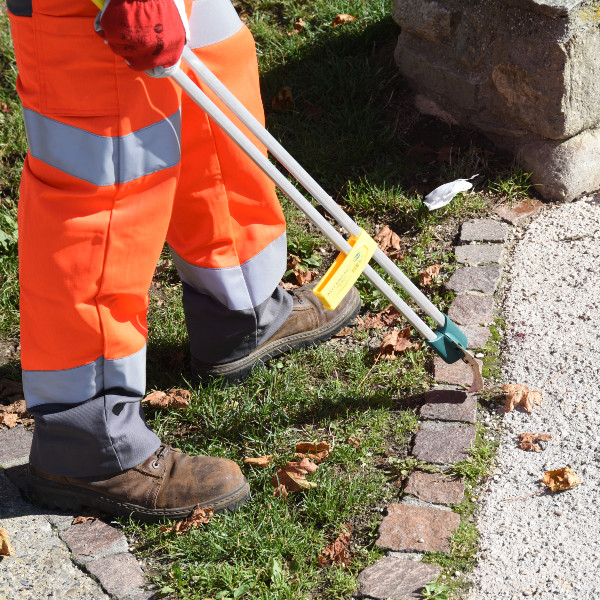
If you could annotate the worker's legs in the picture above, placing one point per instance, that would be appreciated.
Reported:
(227, 232)
(94, 208)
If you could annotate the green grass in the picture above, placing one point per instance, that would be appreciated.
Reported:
(354, 128)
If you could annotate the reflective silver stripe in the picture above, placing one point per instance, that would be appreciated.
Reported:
(243, 287)
(212, 21)
(72, 386)
(102, 160)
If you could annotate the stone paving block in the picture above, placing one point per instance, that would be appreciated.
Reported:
(480, 254)
(395, 579)
(450, 405)
(119, 574)
(475, 279)
(416, 529)
(93, 539)
(483, 230)
(458, 373)
(477, 336)
(435, 488)
(519, 211)
(444, 446)
(14, 446)
(467, 309)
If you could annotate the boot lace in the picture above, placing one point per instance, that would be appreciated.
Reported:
(162, 452)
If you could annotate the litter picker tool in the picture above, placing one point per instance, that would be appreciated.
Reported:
(448, 341)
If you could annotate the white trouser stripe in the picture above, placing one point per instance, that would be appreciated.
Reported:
(212, 21)
(72, 386)
(243, 287)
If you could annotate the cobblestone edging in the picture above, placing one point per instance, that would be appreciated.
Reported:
(422, 521)
(54, 558)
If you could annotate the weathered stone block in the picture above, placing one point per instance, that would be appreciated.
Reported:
(514, 214)
(93, 539)
(444, 446)
(479, 254)
(435, 487)
(14, 446)
(458, 373)
(472, 310)
(530, 82)
(120, 574)
(475, 279)
(477, 336)
(395, 579)
(429, 20)
(415, 529)
(483, 230)
(449, 405)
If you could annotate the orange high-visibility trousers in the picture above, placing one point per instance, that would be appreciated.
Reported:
(116, 164)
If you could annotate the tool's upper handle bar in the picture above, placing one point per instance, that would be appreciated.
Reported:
(308, 182)
(217, 115)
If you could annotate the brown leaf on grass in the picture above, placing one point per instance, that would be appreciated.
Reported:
(5, 108)
(520, 395)
(5, 547)
(427, 276)
(388, 317)
(445, 154)
(422, 153)
(283, 100)
(354, 441)
(561, 479)
(289, 286)
(343, 332)
(298, 27)
(175, 398)
(303, 275)
(338, 552)
(395, 343)
(389, 242)
(527, 441)
(258, 461)
(341, 19)
(313, 450)
(197, 518)
(292, 477)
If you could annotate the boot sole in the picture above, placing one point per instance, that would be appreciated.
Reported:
(70, 498)
(238, 370)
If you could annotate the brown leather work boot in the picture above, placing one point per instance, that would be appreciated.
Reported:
(308, 324)
(168, 484)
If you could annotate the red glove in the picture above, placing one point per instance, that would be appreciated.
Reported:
(149, 34)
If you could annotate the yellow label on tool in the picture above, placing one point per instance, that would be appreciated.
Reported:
(346, 269)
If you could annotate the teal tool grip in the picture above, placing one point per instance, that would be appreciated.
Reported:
(449, 342)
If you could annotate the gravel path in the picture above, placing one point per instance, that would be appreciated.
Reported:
(548, 545)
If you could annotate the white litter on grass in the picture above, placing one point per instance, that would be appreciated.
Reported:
(444, 194)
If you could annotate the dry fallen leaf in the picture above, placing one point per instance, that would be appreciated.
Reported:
(5, 547)
(338, 552)
(527, 441)
(258, 461)
(298, 27)
(354, 441)
(303, 274)
(389, 242)
(83, 519)
(341, 19)
(561, 479)
(388, 317)
(175, 398)
(520, 395)
(11, 389)
(312, 111)
(9, 419)
(395, 343)
(283, 100)
(197, 518)
(427, 276)
(343, 332)
(5, 108)
(312, 450)
(292, 477)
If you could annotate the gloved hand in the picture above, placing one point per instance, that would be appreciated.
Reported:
(149, 34)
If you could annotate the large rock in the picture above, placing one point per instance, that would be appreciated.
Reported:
(524, 72)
